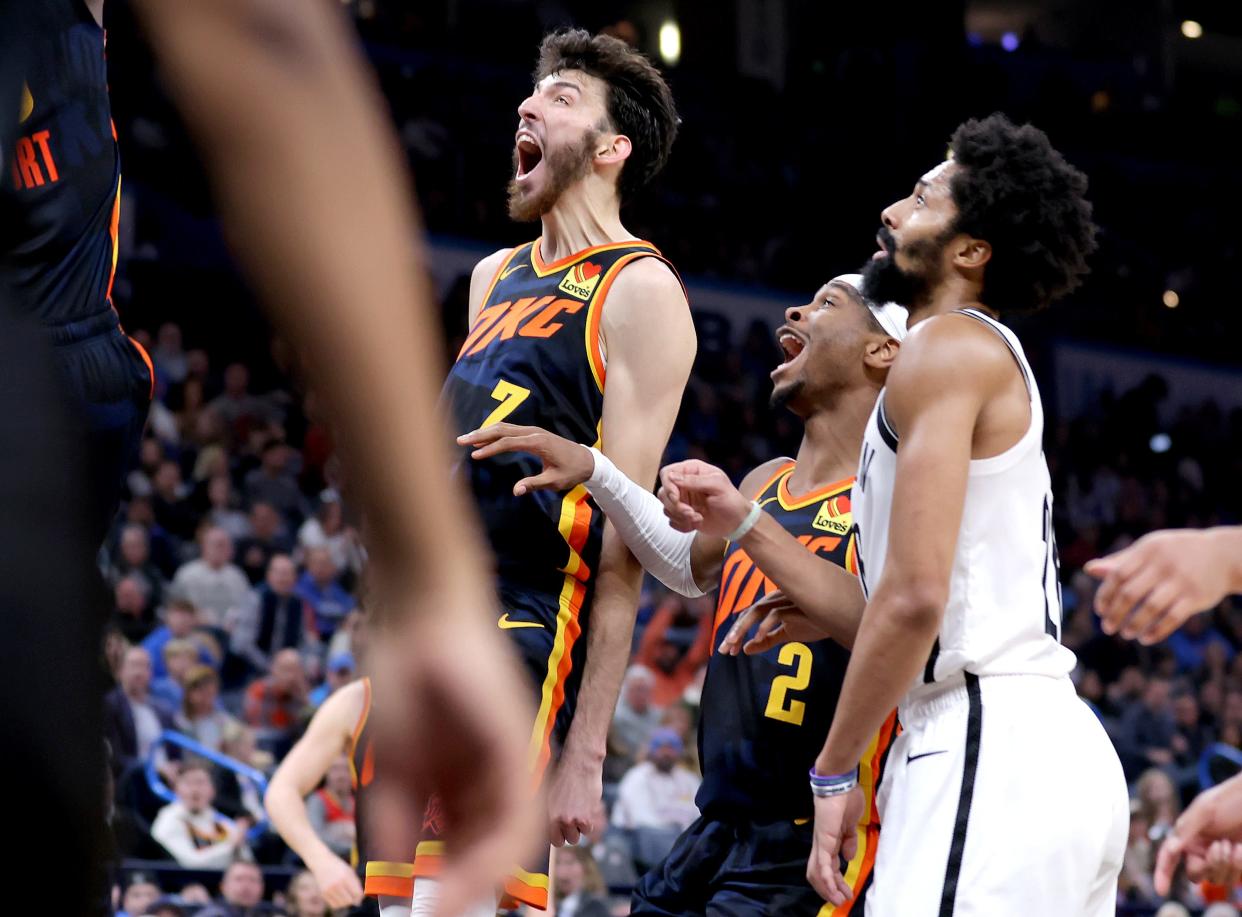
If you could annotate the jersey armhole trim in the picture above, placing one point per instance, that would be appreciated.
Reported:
(504, 263)
(595, 311)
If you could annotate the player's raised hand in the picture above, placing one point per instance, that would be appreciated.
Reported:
(700, 497)
(565, 463)
(1149, 589)
(1215, 815)
(836, 819)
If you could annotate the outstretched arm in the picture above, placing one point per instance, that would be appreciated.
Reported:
(1152, 587)
(326, 738)
(651, 345)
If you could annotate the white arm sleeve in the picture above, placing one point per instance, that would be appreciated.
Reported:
(638, 517)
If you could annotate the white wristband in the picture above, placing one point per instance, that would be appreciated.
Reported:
(747, 524)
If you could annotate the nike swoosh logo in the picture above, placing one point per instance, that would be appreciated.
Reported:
(505, 624)
(926, 754)
(517, 267)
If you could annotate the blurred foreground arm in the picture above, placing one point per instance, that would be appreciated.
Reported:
(1149, 589)
(317, 208)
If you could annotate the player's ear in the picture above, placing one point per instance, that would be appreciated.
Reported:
(613, 149)
(971, 253)
(881, 352)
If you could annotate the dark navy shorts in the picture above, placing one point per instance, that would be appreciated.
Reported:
(736, 869)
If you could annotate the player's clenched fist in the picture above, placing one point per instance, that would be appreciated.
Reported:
(700, 497)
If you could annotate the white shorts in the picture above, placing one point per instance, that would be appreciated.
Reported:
(1003, 797)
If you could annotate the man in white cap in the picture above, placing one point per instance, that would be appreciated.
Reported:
(764, 714)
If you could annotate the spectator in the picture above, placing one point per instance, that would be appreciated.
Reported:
(659, 792)
(195, 893)
(672, 669)
(180, 623)
(274, 703)
(275, 618)
(132, 612)
(1147, 729)
(351, 636)
(273, 483)
(1134, 885)
(192, 831)
(1190, 644)
(140, 894)
(133, 720)
(241, 894)
(579, 888)
(213, 583)
(179, 657)
(340, 672)
(222, 510)
(168, 501)
(240, 410)
(305, 898)
(267, 538)
(168, 355)
(200, 716)
(1158, 801)
(635, 718)
(331, 809)
(327, 529)
(1191, 738)
(327, 599)
(134, 559)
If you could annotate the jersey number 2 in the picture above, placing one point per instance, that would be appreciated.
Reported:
(792, 711)
(509, 396)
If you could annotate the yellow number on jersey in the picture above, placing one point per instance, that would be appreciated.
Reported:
(509, 396)
(793, 654)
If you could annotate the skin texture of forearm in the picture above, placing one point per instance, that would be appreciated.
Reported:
(829, 596)
(348, 248)
(1229, 541)
(894, 639)
(287, 812)
(706, 561)
(613, 611)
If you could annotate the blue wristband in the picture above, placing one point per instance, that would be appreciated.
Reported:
(825, 785)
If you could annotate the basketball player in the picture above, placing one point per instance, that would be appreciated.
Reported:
(1150, 588)
(585, 331)
(956, 555)
(336, 264)
(764, 716)
(58, 237)
(341, 726)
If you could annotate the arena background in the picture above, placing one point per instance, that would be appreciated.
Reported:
(801, 120)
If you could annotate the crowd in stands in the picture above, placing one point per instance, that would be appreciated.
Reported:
(236, 563)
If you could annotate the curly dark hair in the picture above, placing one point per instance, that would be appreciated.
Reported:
(1019, 194)
(640, 104)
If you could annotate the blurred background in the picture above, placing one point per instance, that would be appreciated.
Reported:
(801, 121)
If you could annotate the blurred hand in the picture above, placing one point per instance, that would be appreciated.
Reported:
(574, 796)
(1149, 589)
(836, 821)
(700, 497)
(780, 621)
(1214, 815)
(452, 718)
(338, 883)
(565, 464)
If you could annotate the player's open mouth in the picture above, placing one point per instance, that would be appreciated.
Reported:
(529, 154)
(791, 346)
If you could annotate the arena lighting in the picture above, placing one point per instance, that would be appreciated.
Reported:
(1171, 299)
(1160, 443)
(670, 43)
(1009, 41)
(1192, 29)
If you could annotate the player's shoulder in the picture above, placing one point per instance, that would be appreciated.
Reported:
(938, 349)
(486, 269)
(345, 706)
(646, 280)
(759, 476)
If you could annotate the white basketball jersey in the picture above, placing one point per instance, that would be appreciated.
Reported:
(1003, 615)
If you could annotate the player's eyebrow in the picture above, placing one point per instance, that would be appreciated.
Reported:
(565, 84)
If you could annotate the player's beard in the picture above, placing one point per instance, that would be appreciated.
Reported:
(884, 281)
(564, 167)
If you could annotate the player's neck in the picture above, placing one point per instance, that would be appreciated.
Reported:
(583, 217)
(831, 441)
(951, 295)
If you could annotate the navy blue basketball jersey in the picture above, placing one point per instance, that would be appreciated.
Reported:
(764, 718)
(62, 178)
(534, 355)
